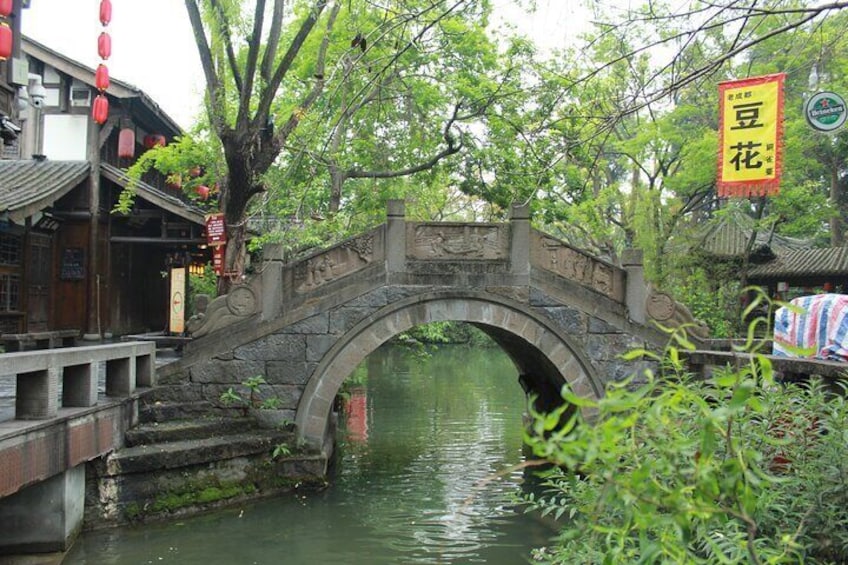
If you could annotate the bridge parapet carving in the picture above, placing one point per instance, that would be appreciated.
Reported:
(555, 256)
(337, 262)
(457, 241)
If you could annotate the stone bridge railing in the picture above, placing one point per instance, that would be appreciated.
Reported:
(445, 254)
(39, 373)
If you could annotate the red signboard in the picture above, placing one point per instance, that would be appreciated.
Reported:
(218, 259)
(215, 231)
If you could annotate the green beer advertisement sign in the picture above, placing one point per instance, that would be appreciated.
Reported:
(825, 111)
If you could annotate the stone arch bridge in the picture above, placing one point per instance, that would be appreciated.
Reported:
(562, 315)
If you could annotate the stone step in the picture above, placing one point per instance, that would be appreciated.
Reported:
(178, 430)
(165, 411)
(184, 453)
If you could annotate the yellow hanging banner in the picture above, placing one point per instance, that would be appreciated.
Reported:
(750, 136)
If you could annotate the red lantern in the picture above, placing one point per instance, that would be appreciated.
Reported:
(126, 143)
(5, 42)
(174, 181)
(202, 191)
(105, 12)
(104, 45)
(154, 139)
(195, 171)
(100, 109)
(101, 77)
(6, 8)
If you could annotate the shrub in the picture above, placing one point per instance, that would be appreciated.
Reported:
(735, 469)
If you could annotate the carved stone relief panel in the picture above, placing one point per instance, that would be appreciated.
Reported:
(337, 262)
(457, 242)
(553, 255)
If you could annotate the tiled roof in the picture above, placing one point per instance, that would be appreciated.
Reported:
(29, 186)
(729, 238)
(154, 195)
(824, 262)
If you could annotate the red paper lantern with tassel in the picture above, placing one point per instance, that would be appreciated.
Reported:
(5, 42)
(202, 191)
(126, 143)
(101, 77)
(6, 7)
(105, 12)
(100, 109)
(104, 46)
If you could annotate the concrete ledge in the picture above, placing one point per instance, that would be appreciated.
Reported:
(38, 373)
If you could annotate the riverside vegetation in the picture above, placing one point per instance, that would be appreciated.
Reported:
(738, 468)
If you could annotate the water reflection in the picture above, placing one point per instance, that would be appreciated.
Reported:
(414, 481)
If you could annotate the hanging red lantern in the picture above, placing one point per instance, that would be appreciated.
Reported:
(104, 45)
(105, 12)
(5, 42)
(6, 8)
(101, 77)
(154, 139)
(174, 181)
(202, 191)
(126, 143)
(100, 109)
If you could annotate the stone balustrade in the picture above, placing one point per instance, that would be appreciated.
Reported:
(38, 374)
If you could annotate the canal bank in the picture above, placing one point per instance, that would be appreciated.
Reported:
(423, 447)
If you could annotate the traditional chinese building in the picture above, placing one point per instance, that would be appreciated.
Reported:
(67, 261)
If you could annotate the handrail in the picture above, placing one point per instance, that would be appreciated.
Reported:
(37, 373)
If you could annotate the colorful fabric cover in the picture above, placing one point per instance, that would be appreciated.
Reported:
(822, 329)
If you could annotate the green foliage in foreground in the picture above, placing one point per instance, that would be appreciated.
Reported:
(738, 469)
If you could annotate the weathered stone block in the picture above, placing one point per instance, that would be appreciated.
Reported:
(289, 396)
(289, 373)
(374, 299)
(598, 326)
(229, 372)
(318, 324)
(276, 346)
(343, 319)
(571, 321)
(318, 345)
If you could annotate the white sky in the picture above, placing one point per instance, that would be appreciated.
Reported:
(154, 50)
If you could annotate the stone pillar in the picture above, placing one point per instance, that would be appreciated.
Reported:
(636, 290)
(44, 517)
(395, 237)
(519, 246)
(272, 282)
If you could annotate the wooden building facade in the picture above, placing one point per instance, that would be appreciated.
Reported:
(67, 261)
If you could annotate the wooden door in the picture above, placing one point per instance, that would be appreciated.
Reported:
(39, 275)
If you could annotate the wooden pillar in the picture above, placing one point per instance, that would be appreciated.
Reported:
(92, 324)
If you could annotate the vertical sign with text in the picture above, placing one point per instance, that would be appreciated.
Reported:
(750, 136)
(176, 323)
(216, 238)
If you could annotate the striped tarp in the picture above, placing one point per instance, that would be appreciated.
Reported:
(821, 330)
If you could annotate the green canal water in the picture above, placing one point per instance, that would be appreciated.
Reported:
(425, 448)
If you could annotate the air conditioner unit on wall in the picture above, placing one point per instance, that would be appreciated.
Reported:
(80, 96)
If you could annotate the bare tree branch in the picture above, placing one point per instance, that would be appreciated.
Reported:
(224, 30)
(273, 40)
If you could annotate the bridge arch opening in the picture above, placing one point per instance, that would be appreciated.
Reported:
(545, 357)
